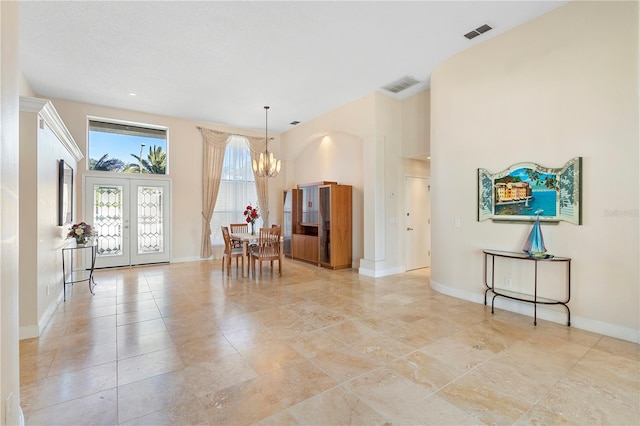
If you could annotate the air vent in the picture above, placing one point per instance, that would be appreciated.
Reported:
(401, 84)
(480, 30)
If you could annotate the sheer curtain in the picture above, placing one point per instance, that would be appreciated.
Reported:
(256, 146)
(237, 188)
(214, 146)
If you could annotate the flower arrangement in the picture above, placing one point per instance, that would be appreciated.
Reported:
(251, 214)
(81, 232)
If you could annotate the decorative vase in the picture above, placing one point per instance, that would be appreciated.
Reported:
(253, 232)
(80, 241)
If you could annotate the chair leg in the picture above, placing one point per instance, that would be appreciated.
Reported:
(223, 260)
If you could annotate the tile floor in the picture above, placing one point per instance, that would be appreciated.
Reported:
(183, 344)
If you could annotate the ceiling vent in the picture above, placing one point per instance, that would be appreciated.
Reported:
(480, 30)
(401, 84)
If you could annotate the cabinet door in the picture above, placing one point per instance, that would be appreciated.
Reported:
(324, 224)
(309, 204)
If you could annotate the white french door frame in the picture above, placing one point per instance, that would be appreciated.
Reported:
(129, 253)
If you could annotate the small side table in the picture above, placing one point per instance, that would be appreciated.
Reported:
(533, 298)
(71, 275)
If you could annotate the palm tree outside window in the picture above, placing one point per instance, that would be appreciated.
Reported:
(127, 148)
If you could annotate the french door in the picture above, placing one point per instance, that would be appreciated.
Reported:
(417, 222)
(131, 217)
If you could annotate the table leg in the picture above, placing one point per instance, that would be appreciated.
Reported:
(281, 254)
(245, 254)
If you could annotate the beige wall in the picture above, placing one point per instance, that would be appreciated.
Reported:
(9, 235)
(184, 165)
(557, 87)
(416, 125)
(43, 143)
(368, 138)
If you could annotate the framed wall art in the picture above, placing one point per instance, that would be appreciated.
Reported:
(524, 190)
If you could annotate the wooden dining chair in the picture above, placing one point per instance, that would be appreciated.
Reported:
(267, 249)
(230, 251)
(238, 228)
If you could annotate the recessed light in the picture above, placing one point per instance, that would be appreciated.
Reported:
(293, 123)
(132, 94)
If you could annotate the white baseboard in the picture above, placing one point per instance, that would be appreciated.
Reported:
(189, 259)
(560, 317)
(30, 331)
(377, 273)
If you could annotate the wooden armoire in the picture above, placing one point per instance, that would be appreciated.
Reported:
(321, 224)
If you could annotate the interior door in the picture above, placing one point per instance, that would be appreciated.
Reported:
(131, 217)
(417, 222)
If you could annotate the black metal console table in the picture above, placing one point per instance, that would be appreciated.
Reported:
(71, 275)
(534, 298)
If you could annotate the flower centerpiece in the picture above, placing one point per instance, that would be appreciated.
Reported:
(81, 232)
(251, 214)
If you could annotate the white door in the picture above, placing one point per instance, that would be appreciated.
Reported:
(131, 218)
(417, 222)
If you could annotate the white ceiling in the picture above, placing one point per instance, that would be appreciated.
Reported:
(221, 62)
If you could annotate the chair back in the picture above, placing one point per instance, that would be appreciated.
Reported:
(269, 243)
(239, 228)
(227, 240)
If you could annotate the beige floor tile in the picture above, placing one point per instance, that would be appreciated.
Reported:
(270, 356)
(80, 357)
(96, 409)
(426, 370)
(351, 331)
(189, 412)
(313, 343)
(336, 406)
(577, 403)
(393, 396)
(144, 397)
(487, 398)
(296, 381)
(146, 343)
(148, 365)
(185, 344)
(382, 348)
(344, 363)
(208, 377)
(241, 404)
(75, 384)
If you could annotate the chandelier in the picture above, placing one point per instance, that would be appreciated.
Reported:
(267, 165)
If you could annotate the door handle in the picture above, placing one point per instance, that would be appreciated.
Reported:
(409, 229)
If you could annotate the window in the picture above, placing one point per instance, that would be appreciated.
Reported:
(237, 188)
(127, 148)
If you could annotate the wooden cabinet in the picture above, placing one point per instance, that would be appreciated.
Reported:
(305, 247)
(334, 226)
(321, 224)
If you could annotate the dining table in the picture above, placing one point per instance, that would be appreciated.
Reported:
(247, 239)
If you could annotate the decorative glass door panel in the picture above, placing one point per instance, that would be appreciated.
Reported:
(108, 219)
(150, 225)
(113, 204)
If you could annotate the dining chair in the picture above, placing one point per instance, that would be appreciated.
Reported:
(230, 251)
(266, 249)
(238, 228)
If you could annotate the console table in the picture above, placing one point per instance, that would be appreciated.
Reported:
(535, 299)
(71, 275)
